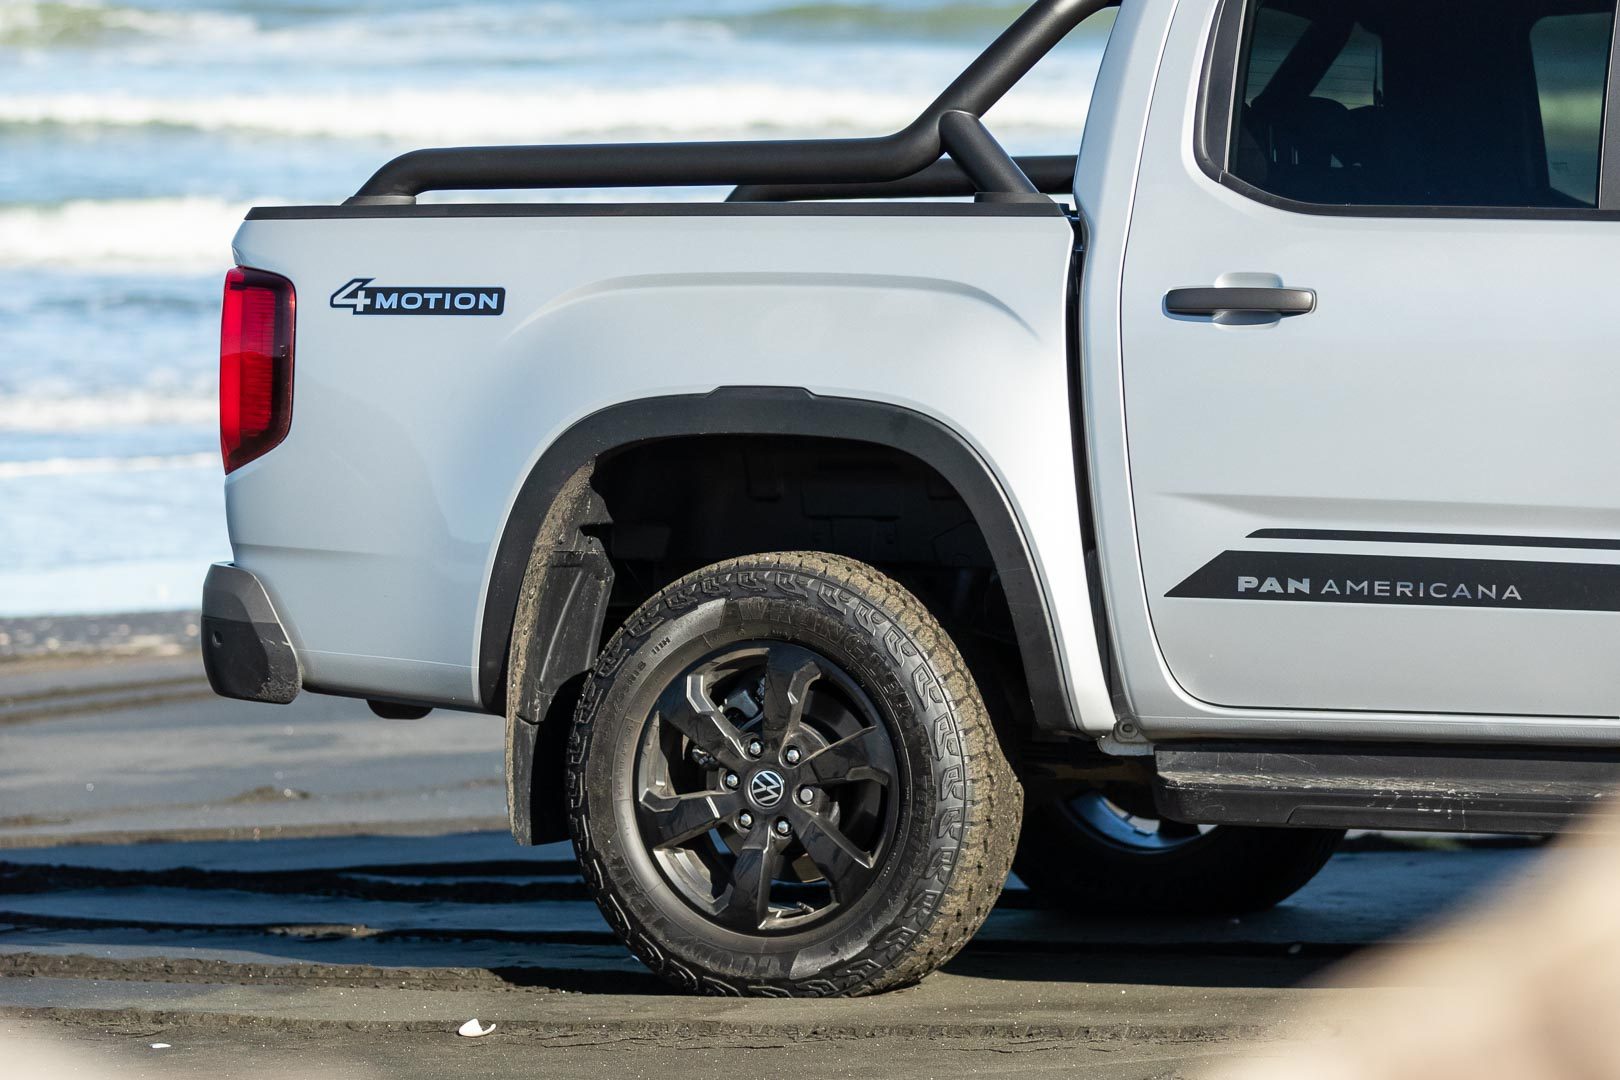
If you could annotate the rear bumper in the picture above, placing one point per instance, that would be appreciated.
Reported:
(245, 648)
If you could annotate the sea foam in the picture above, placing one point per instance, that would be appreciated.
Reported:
(174, 234)
(76, 23)
(92, 413)
(417, 116)
(17, 470)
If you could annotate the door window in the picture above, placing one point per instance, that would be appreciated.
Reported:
(1572, 62)
(1487, 103)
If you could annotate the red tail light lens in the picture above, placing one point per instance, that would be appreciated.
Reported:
(255, 365)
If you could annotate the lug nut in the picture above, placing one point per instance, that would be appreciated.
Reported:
(732, 780)
(783, 828)
(792, 755)
(755, 748)
(807, 796)
(745, 820)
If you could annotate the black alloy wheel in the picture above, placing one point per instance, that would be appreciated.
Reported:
(782, 780)
(765, 787)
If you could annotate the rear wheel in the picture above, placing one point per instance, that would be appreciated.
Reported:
(1105, 851)
(783, 781)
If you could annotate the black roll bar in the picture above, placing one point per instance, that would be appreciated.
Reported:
(971, 146)
(779, 162)
(1053, 174)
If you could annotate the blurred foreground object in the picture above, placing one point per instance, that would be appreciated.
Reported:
(1525, 987)
(33, 1053)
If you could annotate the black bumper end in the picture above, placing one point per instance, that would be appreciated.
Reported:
(245, 649)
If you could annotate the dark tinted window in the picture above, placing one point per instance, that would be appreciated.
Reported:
(1424, 102)
(1572, 62)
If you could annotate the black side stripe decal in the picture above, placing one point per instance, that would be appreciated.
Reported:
(1301, 577)
(1478, 540)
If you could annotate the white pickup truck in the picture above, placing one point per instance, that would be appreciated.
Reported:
(827, 544)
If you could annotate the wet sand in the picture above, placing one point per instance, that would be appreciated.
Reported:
(310, 890)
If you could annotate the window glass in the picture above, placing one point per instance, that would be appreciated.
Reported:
(1424, 102)
(1274, 33)
(1571, 55)
(1357, 72)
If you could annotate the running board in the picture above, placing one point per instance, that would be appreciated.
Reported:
(1382, 787)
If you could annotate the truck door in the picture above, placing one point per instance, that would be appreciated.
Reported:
(1372, 382)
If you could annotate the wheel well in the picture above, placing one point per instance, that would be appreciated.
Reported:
(681, 504)
(635, 496)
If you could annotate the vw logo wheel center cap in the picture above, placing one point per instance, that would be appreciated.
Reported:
(766, 788)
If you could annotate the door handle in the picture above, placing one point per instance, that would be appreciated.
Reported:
(1218, 301)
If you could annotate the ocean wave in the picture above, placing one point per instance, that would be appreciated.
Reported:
(27, 470)
(105, 412)
(564, 114)
(188, 234)
(853, 19)
(80, 23)
(43, 23)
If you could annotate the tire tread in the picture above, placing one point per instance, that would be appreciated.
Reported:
(930, 933)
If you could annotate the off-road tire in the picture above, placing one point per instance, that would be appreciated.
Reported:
(960, 804)
(1230, 870)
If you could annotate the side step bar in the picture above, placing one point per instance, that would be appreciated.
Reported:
(1383, 787)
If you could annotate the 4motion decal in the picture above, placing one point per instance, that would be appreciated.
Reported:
(1325, 578)
(361, 297)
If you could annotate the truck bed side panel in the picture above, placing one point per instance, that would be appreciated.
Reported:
(374, 526)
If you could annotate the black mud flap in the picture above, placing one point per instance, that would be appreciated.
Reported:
(556, 633)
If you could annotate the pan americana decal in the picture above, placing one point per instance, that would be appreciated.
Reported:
(1311, 577)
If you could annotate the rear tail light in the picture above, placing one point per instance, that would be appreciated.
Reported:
(255, 365)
